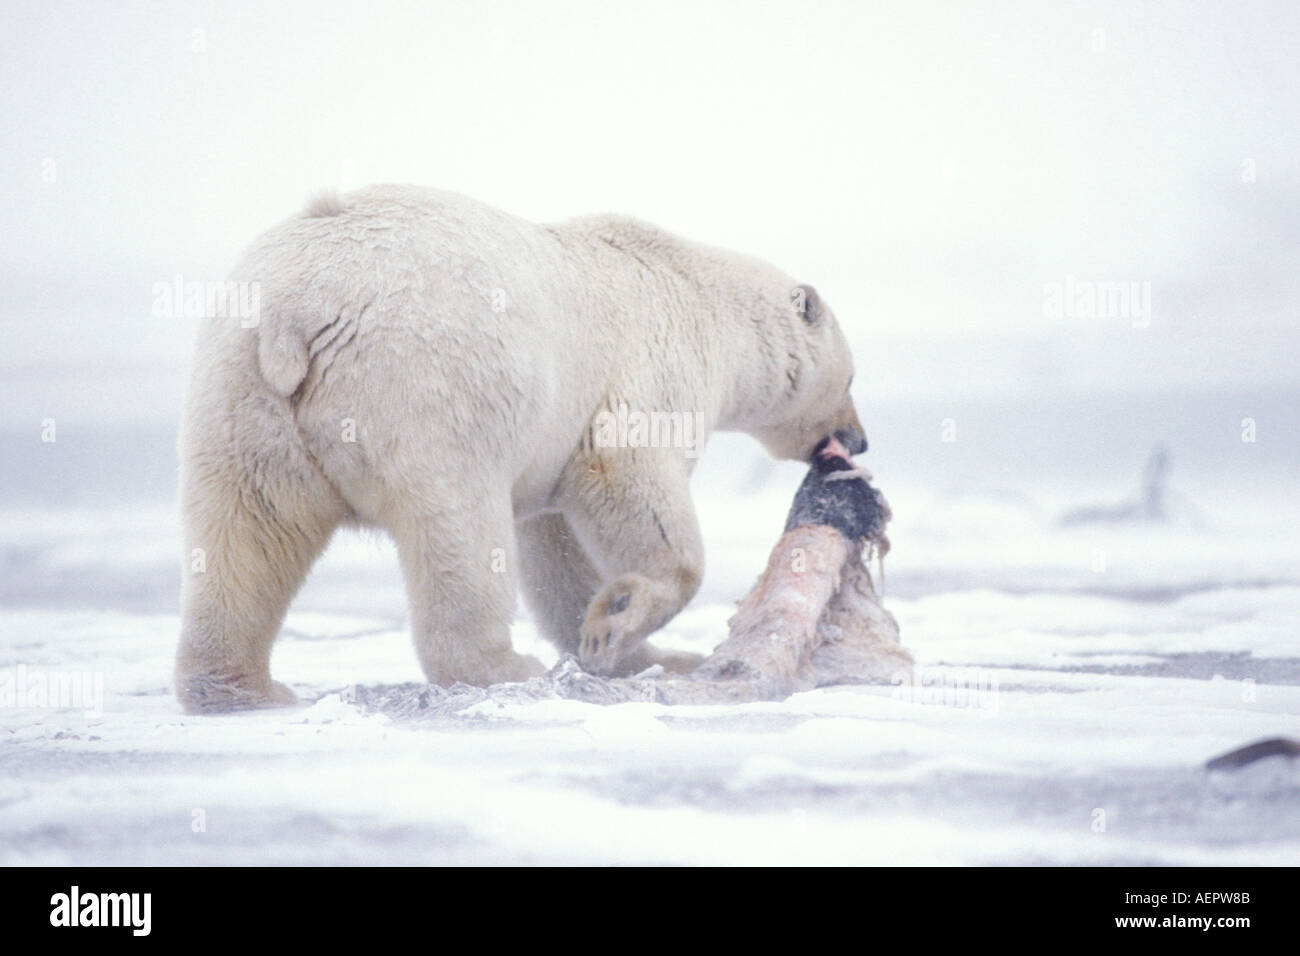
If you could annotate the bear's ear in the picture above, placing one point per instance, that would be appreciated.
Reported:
(807, 303)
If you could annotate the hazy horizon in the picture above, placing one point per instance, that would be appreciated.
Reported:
(932, 170)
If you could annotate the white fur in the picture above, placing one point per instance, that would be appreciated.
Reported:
(467, 352)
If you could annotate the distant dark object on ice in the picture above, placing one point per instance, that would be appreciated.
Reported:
(1155, 502)
(1261, 750)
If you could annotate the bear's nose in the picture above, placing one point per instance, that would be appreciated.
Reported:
(852, 439)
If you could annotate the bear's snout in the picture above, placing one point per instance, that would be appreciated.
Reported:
(852, 439)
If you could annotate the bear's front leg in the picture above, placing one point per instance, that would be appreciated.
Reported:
(622, 615)
(631, 510)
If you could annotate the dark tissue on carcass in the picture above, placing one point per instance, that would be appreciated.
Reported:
(851, 506)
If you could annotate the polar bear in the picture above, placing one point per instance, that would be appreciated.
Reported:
(427, 365)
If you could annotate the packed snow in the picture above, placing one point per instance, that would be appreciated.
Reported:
(1073, 679)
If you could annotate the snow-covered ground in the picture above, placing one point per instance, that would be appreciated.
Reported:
(941, 188)
(1075, 678)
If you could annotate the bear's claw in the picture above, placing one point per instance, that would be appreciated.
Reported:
(614, 627)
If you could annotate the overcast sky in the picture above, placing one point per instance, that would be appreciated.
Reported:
(930, 166)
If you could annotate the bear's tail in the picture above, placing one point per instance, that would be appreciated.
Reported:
(296, 317)
(282, 354)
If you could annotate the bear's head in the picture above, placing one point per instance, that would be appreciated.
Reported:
(813, 402)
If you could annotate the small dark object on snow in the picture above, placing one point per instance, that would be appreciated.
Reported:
(1155, 501)
(828, 497)
(1273, 747)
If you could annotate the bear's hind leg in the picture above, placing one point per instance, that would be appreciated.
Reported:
(461, 592)
(558, 578)
(256, 517)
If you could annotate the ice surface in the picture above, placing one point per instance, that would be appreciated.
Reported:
(1073, 682)
(1073, 671)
